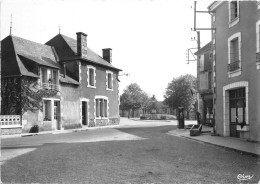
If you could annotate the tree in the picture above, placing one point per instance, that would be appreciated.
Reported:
(22, 94)
(180, 93)
(132, 98)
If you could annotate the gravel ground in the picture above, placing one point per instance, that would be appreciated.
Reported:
(148, 156)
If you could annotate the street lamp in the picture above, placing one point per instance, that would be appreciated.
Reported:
(126, 74)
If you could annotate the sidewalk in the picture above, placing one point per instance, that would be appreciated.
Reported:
(55, 132)
(232, 143)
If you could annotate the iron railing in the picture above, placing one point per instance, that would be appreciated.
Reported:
(234, 66)
(50, 86)
(258, 57)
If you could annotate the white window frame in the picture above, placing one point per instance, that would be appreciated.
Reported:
(104, 98)
(112, 80)
(80, 105)
(258, 5)
(234, 21)
(239, 71)
(94, 73)
(258, 41)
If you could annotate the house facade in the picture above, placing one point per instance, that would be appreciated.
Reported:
(205, 76)
(78, 87)
(236, 68)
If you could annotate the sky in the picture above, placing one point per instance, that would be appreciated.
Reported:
(149, 38)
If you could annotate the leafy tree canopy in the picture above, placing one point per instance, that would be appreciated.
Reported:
(180, 92)
(134, 98)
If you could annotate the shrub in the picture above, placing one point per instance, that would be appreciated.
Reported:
(142, 117)
(34, 129)
(163, 117)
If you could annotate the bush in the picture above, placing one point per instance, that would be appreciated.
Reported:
(163, 117)
(34, 129)
(142, 117)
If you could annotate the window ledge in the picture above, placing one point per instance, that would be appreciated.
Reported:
(258, 65)
(233, 22)
(108, 89)
(245, 128)
(235, 73)
(91, 86)
(102, 117)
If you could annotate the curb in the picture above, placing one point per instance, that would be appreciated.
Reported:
(233, 149)
(56, 132)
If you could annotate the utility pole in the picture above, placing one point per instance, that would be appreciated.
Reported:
(198, 44)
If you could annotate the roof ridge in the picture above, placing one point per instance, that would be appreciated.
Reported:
(30, 41)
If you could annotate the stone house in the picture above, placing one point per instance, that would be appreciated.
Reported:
(204, 76)
(80, 87)
(236, 68)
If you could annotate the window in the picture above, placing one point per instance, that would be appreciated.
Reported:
(46, 110)
(101, 107)
(234, 54)
(202, 63)
(233, 10)
(91, 76)
(258, 4)
(234, 50)
(109, 78)
(233, 13)
(258, 44)
(49, 78)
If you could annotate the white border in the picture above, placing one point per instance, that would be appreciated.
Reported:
(94, 68)
(80, 107)
(237, 72)
(226, 118)
(258, 40)
(101, 97)
(112, 80)
(236, 20)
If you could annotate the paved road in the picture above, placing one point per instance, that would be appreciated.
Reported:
(136, 152)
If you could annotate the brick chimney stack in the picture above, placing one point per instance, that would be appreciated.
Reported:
(107, 55)
(82, 44)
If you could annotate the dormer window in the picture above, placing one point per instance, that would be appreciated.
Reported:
(91, 77)
(49, 78)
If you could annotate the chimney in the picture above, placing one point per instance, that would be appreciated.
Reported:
(107, 55)
(82, 44)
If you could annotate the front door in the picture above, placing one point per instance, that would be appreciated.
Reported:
(57, 115)
(84, 113)
(237, 105)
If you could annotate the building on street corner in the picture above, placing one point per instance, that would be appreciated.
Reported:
(236, 68)
(77, 86)
(204, 76)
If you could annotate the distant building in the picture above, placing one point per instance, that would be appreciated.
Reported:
(236, 64)
(84, 85)
(204, 76)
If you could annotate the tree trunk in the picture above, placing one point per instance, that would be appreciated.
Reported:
(188, 114)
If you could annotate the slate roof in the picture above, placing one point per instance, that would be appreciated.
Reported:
(20, 50)
(204, 49)
(68, 80)
(72, 44)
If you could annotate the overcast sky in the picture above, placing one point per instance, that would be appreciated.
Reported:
(149, 38)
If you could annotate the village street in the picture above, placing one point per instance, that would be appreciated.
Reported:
(134, 152)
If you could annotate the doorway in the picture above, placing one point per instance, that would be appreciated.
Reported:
(56, 118)
(237, 103)
(84, 113)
